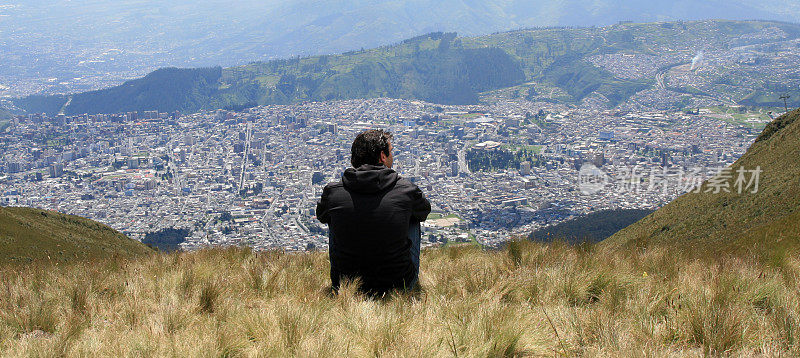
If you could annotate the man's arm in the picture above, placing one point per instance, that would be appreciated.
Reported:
(420, 206)
(323, 213)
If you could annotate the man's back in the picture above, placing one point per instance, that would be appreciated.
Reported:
(369, 213)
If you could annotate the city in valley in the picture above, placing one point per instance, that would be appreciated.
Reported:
(492, 172)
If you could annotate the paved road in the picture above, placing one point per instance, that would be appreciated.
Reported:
(462, 161)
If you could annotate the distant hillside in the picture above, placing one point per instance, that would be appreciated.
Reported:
(168, 239)
(5, 119)
(167, 89)
(767, 220)
(426, 68)
(31, 234)
(5, 114)
(594, 227)
(552, 64)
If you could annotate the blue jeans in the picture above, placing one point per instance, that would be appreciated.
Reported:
(414, 234)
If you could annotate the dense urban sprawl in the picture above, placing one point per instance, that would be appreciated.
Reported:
(253, 177)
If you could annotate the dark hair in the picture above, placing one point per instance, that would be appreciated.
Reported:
(368, 145)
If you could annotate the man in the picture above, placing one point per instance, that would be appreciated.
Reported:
(373, 215)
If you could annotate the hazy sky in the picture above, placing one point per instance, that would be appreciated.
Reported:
(280, 28)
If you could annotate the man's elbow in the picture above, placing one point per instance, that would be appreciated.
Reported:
(422, 213)
(322, 213)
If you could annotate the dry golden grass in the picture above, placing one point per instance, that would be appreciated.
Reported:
(528, 300)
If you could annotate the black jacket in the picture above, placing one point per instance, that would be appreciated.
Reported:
(368, 213)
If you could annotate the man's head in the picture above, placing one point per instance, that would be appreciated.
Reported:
(372, 147)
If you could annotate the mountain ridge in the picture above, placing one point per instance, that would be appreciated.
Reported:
(443, 68)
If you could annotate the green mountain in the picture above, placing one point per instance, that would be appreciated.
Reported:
(32, 235)
(426, 68)
(593, 227)
(550, 64)
(167, 89)
(765, 221)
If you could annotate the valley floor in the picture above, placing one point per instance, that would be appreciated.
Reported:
(527, 300)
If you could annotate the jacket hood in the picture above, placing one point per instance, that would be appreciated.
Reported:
(369, 178)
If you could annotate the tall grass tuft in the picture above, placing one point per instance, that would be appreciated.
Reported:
(256, 275)
(77, 297)
(515, 251)
(209, 295)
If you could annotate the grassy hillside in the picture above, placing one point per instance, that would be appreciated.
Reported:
(28, 235)
(766, 221)
(443, 68)
(529, 300)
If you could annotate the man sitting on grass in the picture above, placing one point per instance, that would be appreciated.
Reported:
(373, 215)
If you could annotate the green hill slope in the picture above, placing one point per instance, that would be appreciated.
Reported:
(31, 234)
(766, 221)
